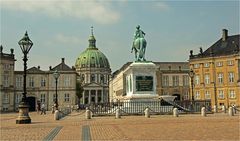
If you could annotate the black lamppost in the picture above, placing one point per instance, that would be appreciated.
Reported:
(26, 44)
(191, 74)
(56, 75)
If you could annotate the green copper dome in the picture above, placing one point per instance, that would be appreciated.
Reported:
(92, 57)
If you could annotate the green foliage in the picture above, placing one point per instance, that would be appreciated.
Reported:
(79, 89)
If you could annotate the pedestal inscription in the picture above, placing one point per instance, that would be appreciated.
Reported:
(144, 83)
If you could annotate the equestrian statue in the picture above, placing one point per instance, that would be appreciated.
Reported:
(139, 45)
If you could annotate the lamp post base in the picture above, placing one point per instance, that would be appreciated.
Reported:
(23, 117)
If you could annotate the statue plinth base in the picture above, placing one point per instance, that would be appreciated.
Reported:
(23, 117)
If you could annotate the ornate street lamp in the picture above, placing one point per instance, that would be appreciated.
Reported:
(56, 75)
(26, 44)
(191, 74)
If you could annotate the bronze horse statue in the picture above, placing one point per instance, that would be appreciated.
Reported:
(139, 45)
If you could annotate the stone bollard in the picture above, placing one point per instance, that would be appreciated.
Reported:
(230, 111)
(215, 109)
(203, 111)
(224, 109)
(147, 113)
(88, 113)
(56, 115)
(118, 114)
(175, 112)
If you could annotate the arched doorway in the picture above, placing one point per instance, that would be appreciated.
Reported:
(178, 97)
(31, 101)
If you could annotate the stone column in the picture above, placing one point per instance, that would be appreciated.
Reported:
(102, 96)
(89, 96)
(96, 96)
(175, 112)
(84, 97)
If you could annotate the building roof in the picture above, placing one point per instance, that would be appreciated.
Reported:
(227, 45)
(62, 67)
(163, 66)
(7, 56)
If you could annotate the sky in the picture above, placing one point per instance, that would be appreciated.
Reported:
(61, 28)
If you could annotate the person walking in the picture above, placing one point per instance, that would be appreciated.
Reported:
(43, 111)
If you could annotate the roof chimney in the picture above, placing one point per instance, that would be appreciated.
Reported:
(224, 34)
(63, 60)
(38, 67)
(50, 67)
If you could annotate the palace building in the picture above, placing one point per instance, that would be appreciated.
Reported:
(40, 85)
(172, 79)
(7, 64)
(94, 70)
(216, 71)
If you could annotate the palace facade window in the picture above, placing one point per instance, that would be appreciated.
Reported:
(66, 97)
(31, 81)
(232, 94)
(43, 98)
(220, 94)
(43, 81)
(165, 80)
(19, 81)
(220, 78)
(207, 78)
(230, 77)
(207, 95)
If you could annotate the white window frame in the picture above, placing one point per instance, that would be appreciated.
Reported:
(220, 94)
(196, 66)
(219, 64)
(232, 94)
(230, 62)
(206, 65)
(197, 95)
(207, 95)
(197, 79)
(165, 80)
(5, 80)
(175, 80)
(31, 81)
(207, 79)
(19, 81)
(220, 78)
(185, 80)
(42, 98)
(43, 82)
(67, 81)
(66, 97)
(231, 77)
(5, 98)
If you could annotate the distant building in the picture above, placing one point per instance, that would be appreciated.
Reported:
(94, 70)
(172, 79)
(7, 62)
(217, 71)
(40, 85)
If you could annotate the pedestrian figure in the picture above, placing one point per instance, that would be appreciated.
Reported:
(52, 109)
(38, 106)
(43, 111)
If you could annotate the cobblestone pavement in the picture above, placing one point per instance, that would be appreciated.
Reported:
(158, 127)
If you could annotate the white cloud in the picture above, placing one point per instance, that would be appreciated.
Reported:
(162, 6)
(61, 38)
(100, 12)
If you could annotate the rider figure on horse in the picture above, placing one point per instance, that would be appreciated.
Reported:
(138, 33)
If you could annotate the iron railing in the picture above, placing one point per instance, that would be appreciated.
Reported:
(155, 107)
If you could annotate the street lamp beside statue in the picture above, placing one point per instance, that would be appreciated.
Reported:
(56, 75)
(23, 118)
(191, 74)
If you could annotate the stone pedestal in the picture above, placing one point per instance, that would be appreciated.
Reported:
(23, 117)
(140, 81)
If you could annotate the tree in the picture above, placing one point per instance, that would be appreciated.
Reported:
(79, 91)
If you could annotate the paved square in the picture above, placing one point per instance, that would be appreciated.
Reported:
(158, 127)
